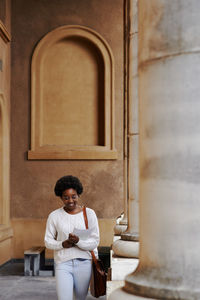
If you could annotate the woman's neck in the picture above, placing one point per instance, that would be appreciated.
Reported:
(77, 210)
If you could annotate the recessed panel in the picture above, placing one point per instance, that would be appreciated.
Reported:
(72, 94)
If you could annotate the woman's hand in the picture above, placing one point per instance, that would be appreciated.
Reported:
(67, 244)
(73, 238)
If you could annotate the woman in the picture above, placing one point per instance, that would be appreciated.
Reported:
(71, 252)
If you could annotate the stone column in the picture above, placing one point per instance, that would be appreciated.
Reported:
(125, 246)
(169, 93)
(121, 226)
(121, 222)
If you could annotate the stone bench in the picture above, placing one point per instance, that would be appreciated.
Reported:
(34, 260)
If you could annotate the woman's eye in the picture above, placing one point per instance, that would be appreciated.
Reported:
(73, 197)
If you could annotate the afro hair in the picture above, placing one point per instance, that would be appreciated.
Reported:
(68, 182)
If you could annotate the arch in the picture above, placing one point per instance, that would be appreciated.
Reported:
(72, 107)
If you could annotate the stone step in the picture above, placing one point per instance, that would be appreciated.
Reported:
(122, 266)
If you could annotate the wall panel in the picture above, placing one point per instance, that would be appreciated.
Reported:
(32, 181)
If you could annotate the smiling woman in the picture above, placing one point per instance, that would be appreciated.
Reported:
(71, 252)
(70, 200)
(69, 188)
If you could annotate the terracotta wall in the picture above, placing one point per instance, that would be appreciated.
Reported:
(32, 182)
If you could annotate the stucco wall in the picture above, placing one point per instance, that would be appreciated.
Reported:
(5, 227)
(32, 182)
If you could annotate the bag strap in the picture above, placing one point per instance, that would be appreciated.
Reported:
(86, 225)
(85, 217)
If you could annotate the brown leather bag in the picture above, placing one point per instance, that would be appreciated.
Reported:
(99, 275)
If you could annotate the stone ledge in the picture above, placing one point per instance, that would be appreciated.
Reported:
(113, 285)
(73, 154)
(122, 266)
(122, 295)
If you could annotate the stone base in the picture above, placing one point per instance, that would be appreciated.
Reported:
(120, 267)
(130, 236)
(113, 285)
(119, 229)
(116, 238)
(126, 248)
(120, 294)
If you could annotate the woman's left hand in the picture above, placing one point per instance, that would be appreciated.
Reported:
(73, 238)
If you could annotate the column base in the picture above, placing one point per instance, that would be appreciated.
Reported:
(123, 221)
(119, 229)
(126, 248)
(111, 286)
(123, 295)
(149, 284)
(121, 266)
(130, 236)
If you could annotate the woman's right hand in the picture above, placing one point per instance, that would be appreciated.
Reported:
(67, 244)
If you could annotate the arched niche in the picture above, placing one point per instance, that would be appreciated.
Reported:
(72, 107)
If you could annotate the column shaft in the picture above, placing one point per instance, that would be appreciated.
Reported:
(169, 93)
(133, 132)
(125, 247)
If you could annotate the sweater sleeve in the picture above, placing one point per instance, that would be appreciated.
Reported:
(93, 241)
(50, 235)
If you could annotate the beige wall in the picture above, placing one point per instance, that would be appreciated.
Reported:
(5, 228)
(32, 182)
(5, 250)
(29, 232)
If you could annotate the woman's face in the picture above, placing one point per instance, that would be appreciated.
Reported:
(70, 199)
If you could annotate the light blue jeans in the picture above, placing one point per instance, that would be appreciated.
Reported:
(73, 277)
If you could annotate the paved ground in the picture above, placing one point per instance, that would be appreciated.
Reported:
(30, 288)
(27, 288)
(15, 286)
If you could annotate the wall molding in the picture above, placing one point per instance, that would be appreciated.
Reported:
(40, 149)
(4, 33)
(6, 232)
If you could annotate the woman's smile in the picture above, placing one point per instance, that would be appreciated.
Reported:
(70, 199)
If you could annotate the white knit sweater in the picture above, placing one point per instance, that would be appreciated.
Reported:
(60, 224)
